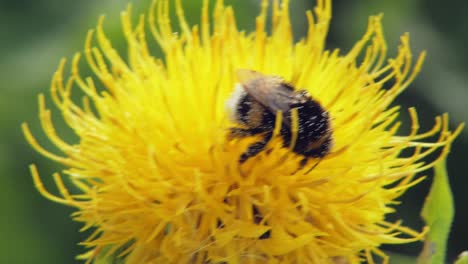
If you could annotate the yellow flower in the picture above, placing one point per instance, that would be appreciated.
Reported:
(159, 181)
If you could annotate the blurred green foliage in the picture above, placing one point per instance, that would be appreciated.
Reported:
(36, 34)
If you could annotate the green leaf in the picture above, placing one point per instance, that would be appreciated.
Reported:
(462, 258)
(438, 213)
(396, 258)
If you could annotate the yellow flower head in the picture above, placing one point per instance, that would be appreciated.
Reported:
(158, 178)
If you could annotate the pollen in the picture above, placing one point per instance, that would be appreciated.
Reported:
(156, 178)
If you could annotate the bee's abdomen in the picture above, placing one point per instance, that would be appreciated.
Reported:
(313, 121)
(314, 138)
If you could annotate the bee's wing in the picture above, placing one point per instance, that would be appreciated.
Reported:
(267, 90)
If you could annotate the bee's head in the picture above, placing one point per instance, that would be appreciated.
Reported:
(232, 103)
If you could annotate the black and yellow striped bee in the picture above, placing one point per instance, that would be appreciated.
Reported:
(254, 106)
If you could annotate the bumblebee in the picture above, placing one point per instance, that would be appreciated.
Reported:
(255, 103)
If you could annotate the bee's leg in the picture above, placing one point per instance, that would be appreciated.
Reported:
(314, 166)
(258, 218)
(255, 148)
(303, 162)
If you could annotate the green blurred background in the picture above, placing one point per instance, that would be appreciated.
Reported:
(37, 34)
